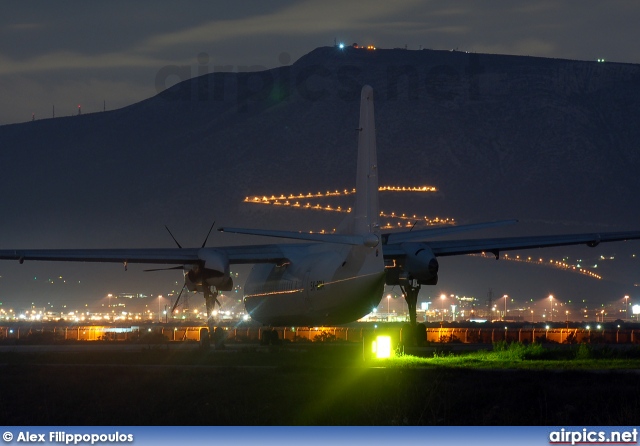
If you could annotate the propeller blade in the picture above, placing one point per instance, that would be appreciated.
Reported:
(178, 299)
(209, 233)
(163, 269)
(174, 239)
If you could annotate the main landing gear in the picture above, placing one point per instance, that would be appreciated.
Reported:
(211, 333)
(415, 336)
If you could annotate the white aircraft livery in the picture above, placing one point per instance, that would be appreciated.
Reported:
(333, 278)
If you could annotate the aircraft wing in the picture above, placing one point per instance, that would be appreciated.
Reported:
(495, 245)
(170, 256)
(438, 231)
(274, 253)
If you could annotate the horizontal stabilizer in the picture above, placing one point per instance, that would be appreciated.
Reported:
(341, 239)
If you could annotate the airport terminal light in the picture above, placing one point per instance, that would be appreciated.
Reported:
(505, 307)
(551, 307)
(626, 306)
(443, 297)
(424, 306)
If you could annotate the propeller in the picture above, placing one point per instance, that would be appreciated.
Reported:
(208, 294)
(174, 239)
(171, 267)
(178, 299)
(208, 234)
(203, 243)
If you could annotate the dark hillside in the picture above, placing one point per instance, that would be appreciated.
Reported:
(543, 140)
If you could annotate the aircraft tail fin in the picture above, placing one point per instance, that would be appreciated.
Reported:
(366, 214)
(361, 227)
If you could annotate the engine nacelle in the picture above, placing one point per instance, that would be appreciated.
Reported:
(212, 271)
(420, 263)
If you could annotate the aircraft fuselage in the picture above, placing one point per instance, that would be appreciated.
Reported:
(321, 284)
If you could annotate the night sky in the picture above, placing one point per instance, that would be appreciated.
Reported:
(107, 54)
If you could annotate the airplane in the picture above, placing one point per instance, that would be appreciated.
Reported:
(329, 279)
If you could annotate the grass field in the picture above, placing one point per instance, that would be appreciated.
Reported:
(320, 385)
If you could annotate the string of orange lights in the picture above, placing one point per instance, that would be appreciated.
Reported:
(336, 193)
(292, 200)
(406, 221)
(560, 264)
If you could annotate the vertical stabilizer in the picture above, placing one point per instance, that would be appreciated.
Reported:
(366, 213)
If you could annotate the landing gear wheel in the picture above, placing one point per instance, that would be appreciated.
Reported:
(219, 336)
(421, 335)
(205, 342)
(215, 333)
(410, 293)
(265, 337)
(269, 337)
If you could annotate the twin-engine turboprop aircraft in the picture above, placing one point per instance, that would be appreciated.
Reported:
(335, 278)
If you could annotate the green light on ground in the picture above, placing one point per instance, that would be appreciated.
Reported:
(382, 347)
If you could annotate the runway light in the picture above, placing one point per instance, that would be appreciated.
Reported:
(382, 347)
